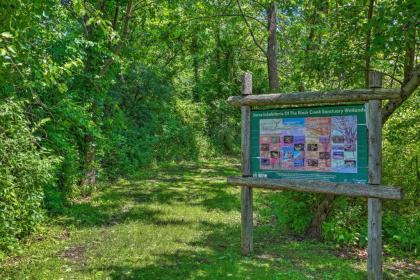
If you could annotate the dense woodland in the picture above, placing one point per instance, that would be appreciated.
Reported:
(94, 90)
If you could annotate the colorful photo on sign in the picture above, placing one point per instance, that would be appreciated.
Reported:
(325, 144)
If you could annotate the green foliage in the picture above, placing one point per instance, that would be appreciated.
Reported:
(143, 125)
(288, 212)
(401, 152)
(112, 87)
(65, 133)
(24, 170)
(401, 232)
(348, 224)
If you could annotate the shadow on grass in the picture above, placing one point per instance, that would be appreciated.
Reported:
(194, 185)
(216, 256)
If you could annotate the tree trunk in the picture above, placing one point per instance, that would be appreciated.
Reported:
(89, 162)
(410, 52)
(218, 59)
(314, 19)
(195, 62)
(324, 208)
(89, 142)
(320, 214)
(368, 41)
(273, 77)
(115, 19)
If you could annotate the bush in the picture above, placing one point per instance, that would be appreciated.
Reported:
(348, 223)
(145, 124)
(291, 211)
(401, 231)
(24, 171)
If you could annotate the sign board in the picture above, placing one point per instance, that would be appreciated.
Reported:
(327, 143)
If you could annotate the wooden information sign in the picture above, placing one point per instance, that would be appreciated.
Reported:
(326, 143)
(333, 149)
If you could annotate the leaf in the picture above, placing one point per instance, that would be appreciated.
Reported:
(40, 124)
(11, 49)
(7, 35)
(90, 21)
(62, 88)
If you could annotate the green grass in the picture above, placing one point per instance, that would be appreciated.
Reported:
(174, 222)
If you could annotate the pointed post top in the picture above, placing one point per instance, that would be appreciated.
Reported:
(247, 83)
(375, 79)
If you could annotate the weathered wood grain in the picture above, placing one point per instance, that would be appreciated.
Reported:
(246, 192)
(246, 221)
(375, 79)
(356, 190)
(247, 83)
(299, 98)
(374, 123)
(246, 140)
(374, 266)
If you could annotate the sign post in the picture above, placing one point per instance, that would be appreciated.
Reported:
(374, 266)
(246, 192)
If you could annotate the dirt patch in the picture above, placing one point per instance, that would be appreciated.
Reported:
(83, 199)
(405, 267)
(398, 266)
(267, 257)
(65, 234)
(351, 253)
(13, 260)
(75, 254)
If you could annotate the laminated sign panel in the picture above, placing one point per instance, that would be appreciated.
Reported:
(326, 143)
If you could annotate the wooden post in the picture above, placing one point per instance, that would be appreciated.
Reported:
(374, 266)
(375, 79)
(246, 192)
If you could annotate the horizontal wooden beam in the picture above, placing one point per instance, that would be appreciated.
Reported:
(363, 190)
(314, 97)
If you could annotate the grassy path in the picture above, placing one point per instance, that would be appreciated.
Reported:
(181, 222)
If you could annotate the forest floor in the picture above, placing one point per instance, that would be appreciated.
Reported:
(175, 222)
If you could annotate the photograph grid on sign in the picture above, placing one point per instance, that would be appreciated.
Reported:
(325, 144)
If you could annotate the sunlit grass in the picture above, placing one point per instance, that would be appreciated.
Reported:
(172, 222)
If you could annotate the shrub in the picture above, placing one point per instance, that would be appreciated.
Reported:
(24, 171)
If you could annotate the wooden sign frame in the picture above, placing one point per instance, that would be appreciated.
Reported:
(374, 191)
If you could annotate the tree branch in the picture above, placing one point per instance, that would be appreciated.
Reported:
(250, 29)
(115, 18)
(411, 74)
(225, 15)
(406, 90)
(80, 20)
(125, 31)
(390, 76)
(368, 41)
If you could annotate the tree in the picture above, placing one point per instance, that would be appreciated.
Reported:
(271, 50)
(273, 77)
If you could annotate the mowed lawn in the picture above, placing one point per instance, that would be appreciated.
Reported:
(174, 222)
